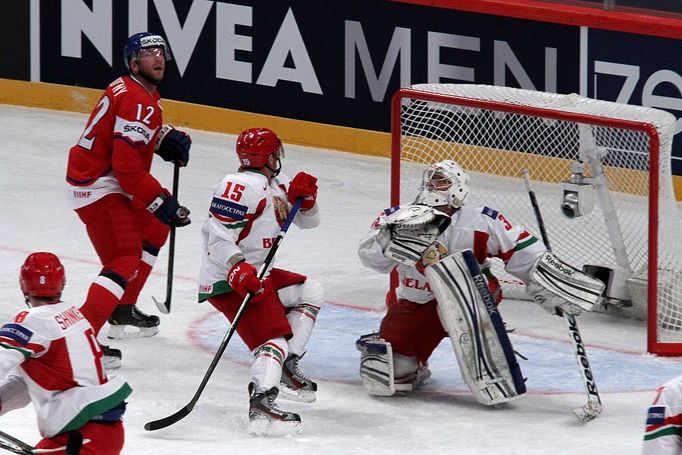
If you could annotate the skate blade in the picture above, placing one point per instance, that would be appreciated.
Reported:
(121, 332)
(302, 396)
(266, 427)
(111, 363)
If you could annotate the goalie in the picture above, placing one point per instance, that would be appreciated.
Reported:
(440, 248)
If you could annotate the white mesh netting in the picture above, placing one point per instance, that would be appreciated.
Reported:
(507, 130)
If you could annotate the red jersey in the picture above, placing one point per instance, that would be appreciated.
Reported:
(114, 154)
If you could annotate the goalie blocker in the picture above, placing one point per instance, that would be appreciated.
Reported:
(468, 312)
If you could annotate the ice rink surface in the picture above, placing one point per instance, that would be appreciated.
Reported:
(165, 370)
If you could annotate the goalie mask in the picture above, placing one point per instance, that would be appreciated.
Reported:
(255, 146)
(444, 183)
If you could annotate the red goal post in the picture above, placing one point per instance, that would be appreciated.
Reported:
(614, 158)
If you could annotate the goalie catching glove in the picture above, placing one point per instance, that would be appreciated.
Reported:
(559, 288)
(408, 232)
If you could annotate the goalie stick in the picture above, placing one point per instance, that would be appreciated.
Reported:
(182, 413)
(165, 306)
(593, 407)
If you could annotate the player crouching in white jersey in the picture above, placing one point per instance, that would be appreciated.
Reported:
(49, 355)
(441, 249)
(246, 214)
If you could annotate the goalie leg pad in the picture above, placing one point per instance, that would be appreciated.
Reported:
(376, 365)
(468, 312)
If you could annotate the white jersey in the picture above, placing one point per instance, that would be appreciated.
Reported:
(246, 214)
(663, 433)
(483, 230)
(51, 354)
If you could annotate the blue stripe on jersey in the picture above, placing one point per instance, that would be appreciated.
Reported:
(492, 213)
(16, 332)
(655, 415)
(390, 210)
(226, 209)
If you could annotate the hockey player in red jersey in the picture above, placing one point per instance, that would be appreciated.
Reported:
(246, 214)
(126, 211)
(49, 356)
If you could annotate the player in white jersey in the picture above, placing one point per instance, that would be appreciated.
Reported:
(49, 356)
(412, 326)
(246, 213)
(663, 433)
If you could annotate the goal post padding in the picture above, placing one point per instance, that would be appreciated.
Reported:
(495, 132)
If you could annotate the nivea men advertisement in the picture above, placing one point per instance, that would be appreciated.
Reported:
(339, 63)
(327, 62)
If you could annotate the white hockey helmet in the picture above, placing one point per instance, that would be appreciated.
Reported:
(444, 183)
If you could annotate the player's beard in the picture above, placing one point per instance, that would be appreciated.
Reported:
(151, 78)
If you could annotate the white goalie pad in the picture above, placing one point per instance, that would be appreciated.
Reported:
(554, 283)
(376, 365)
(468, 312)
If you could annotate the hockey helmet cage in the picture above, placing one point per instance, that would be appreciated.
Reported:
(444, 183)
(254, 147)
(42, 275)
(144, 40)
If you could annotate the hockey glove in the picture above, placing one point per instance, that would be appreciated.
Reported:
(173, 145)
(408, 232)
(243, 279)
(305, 186)
(167, 209)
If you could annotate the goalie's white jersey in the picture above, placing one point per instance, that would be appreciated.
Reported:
(49, 355)
(663, 433)
(483, 230)
(246, 213)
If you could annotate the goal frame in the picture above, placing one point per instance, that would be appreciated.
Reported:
(653, 346)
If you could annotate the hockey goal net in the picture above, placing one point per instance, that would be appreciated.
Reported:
(610, 162)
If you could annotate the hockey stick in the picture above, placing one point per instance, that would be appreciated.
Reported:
(593, 407)
(14, 445)
(165, 306)
(182, 413)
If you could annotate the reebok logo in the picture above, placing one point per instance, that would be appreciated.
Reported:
(549, 259)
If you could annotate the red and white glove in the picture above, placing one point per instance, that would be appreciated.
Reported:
(305, 186)
(243, 279)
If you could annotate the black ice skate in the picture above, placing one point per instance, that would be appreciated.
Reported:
(294, 384)
(266, 419)
(128, 322)
(112, 357)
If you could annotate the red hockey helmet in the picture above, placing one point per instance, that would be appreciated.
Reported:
(254, 147)
(42, 275)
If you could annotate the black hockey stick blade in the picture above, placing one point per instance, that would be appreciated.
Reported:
(170, 420)
(165, 306)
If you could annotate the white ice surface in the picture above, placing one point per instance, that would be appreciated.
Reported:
(165, 370)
